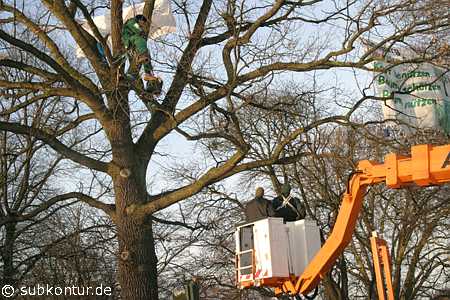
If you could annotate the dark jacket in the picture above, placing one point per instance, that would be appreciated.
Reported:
(257, 209)
(293, 209)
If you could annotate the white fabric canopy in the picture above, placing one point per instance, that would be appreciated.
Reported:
(162, 23)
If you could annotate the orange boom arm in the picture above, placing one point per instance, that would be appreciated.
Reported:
(428, 165)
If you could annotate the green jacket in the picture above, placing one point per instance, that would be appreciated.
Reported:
(134, 37)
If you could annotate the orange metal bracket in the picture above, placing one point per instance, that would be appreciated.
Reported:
(382, 262)
(428, 165)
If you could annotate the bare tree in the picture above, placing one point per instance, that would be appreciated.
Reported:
(227, 47)
(31, 195)
(411, 220)
(74, 249)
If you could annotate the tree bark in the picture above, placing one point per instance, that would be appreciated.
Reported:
(8, 254)
(137, 256)
(137, 260)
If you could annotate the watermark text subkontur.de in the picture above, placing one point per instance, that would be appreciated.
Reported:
(8, 291)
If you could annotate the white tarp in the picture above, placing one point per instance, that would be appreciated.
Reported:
(162, 23)
(420, 94)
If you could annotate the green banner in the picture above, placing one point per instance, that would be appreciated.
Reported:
(416, 94)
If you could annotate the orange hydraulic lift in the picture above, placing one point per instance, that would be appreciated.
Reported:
(427, 166)
(382, 266)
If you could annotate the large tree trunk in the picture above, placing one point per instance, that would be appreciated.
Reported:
(137, 257)
(137, 261)
(8, 254)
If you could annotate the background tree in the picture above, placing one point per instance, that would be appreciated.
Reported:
(35, 214)
(412, 220)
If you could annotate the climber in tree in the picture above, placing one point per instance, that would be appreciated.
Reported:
(134, 38)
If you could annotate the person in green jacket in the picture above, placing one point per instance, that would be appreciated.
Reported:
(134, 38)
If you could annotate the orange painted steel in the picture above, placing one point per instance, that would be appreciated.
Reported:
(428, 165)
(382, 267)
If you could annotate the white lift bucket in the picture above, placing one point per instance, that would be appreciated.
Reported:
(269, 251)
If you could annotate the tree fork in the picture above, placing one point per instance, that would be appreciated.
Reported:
(137, 257)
